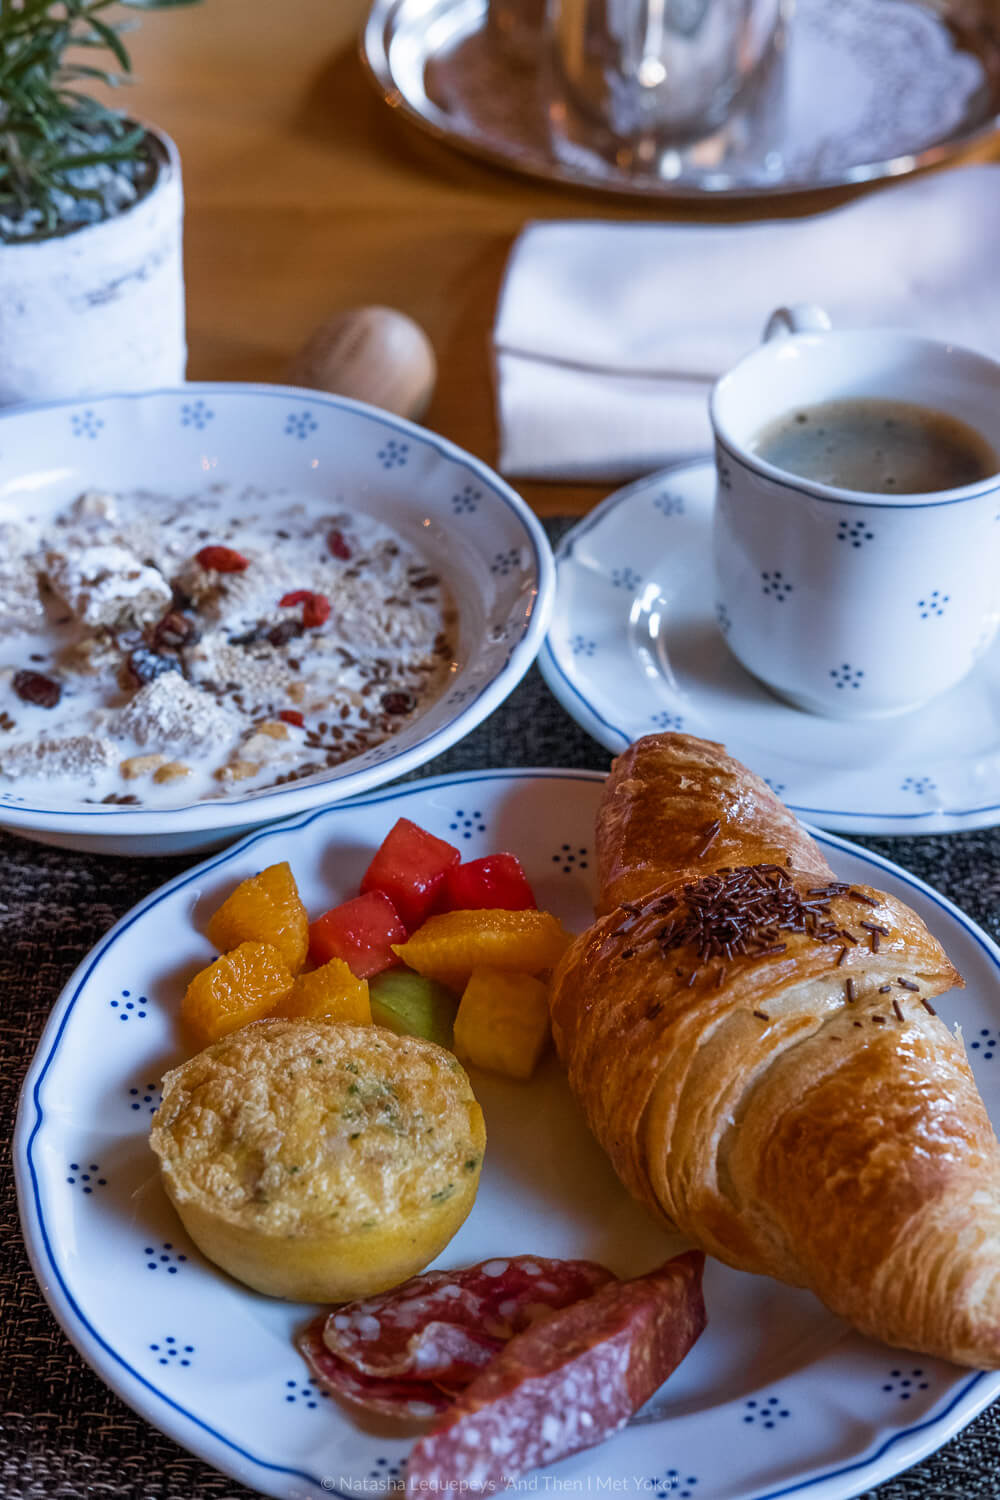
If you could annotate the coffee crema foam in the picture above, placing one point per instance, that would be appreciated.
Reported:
(878, 446)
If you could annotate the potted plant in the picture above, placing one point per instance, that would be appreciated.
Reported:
(91, 280)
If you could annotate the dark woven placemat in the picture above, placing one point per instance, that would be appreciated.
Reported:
(64, 1434)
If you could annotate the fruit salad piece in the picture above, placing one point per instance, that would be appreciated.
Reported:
(238, 988)
(362, 932)
(503, 1022)
(330, 993)
(448, 947)
(411, 1005)
(496, 882)
(409, 867)
(265, 908)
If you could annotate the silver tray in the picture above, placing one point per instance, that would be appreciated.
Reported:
(870, 89)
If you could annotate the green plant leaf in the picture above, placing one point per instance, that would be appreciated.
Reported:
(49, 125)
(111, 40)
(121, 151)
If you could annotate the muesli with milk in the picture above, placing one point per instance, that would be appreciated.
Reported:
(157, 651)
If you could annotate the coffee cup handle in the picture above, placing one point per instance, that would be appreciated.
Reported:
(800, 317)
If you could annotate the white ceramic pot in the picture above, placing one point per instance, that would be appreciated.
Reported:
(101, 308)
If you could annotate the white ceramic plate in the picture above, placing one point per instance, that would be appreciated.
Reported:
(330, 452)
(777, 1398)
(637, 643)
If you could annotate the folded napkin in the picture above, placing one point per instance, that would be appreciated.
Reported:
(608, 336)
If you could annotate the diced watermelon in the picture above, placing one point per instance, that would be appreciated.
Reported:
(408, 867)
(361, 932)
(494, 883)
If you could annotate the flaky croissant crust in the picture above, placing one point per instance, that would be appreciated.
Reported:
(795, 1108)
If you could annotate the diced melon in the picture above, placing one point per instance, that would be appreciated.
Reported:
(265, 908)
(361, 932)
(503, 1022)
(496, 881)
(413, 1006)
(238, 988)
(448, 947)
(409, 867)
(330, 993)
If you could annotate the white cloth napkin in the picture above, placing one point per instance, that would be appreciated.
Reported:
(608, 336)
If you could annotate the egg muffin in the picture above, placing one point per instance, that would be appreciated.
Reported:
(317, 1160)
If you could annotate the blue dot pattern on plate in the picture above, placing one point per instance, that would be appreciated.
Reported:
(196, 414)
(145, 1096)
(129, 1007)
(670, 505)
(776, 586)
(305, 1393)
(467, 824)
(460, 694)
(855, 532)
(169, 1352)
(85, 1177)
(847, 676)
(766, 1412)
(581, 646)
(905, 1383)
(625, 578)
(672, 1484)
(506, 562)
(724, 473)
(722, 618)
(163, 1258)
(299, 424)
(385, 1476)
(665, 720)
(933, 605)
(986, 1043)
(466, 501)
(393, 454)
(85, 424)
(777, 787)
(919, 785)
(570, 860)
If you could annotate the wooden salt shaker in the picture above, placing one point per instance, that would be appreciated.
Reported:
(373, 354)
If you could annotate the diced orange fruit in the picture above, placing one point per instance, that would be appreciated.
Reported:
(238, 988)
(448, 947)
(265, 908)
(328, 994)
(503, 1022)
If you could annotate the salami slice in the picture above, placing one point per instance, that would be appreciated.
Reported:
(566, 1383)
(446, 1326)
(406, 1400)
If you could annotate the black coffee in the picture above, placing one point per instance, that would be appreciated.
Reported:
(884, 447)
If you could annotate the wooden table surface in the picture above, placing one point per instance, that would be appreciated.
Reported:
(306, 194)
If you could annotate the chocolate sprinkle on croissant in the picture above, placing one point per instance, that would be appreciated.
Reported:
(743, 910)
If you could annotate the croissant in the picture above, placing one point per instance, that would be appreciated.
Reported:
(754, 1045)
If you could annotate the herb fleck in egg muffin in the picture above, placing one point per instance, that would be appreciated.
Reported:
(320, 1161)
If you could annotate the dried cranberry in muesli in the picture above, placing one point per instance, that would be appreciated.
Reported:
(222, 560)
(236, 639)
(315, 607)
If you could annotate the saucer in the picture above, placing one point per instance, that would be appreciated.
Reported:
(637, 644)
(869, 89)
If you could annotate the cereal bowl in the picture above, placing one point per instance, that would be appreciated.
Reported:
(164, 691)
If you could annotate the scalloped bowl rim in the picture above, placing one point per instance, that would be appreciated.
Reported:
(267, 806)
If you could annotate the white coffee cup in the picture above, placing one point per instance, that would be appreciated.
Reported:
(847, 603)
